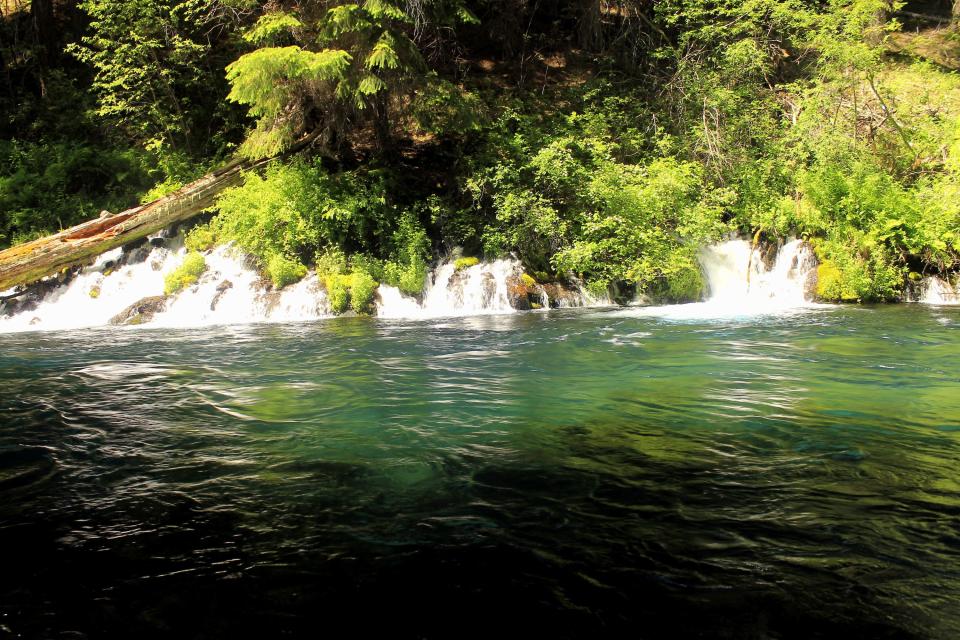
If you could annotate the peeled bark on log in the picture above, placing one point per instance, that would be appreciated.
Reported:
(34, 260)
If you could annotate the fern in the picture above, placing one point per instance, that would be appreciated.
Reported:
(270, 27)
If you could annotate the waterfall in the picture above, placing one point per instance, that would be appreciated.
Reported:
(126, 287)
(482, 289)
(742, 280)
(229, 291)
(938, 291)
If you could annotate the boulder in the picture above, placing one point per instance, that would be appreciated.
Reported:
(518, 293)
(140, 311)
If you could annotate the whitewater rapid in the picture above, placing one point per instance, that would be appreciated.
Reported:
(741, 280)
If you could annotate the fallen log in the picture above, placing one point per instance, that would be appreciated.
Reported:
(77, 245)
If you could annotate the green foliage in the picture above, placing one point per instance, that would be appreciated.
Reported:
(200, 238)
(272, 27)
(292, 209)
(283, 270)
(45, 187)
(148, 57)
(338, 292)
(444, 109)
(407, 267)
(275, 82)
(465, 263)
(362, 289)
(186, 274)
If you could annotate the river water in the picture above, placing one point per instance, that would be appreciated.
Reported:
(580, 473)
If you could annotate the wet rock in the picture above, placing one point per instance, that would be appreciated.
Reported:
(134, 245)
(559, 295)
(222, 288)
(140, 311)
(158, 243)
(518, 295)
(270, 301)
(489, 286)
(768, 254)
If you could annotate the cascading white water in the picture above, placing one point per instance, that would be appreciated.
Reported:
(228, 292)
(739, 282)
(478, 290)
(736, 274)
(98, 292)
(231, 291)
(937, 291)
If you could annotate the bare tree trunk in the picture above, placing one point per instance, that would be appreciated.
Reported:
(591, 27)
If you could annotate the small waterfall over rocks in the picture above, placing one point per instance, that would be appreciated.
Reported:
(740, 274)
(746, 280)
(485, 288)
(125, 287)
(936, 291)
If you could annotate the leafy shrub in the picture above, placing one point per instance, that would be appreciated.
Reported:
(407, 268)
(362, 289)
(200, 238)
(45, 187)
(186, 274)
(338, 291)
(283, 271)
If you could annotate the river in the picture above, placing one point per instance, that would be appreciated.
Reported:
(572, 473)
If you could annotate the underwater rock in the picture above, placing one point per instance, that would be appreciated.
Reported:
(24, 466)
(140, 311)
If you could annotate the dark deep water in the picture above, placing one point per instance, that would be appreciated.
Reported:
(578, 474)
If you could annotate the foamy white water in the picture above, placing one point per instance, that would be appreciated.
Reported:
(228, 292)
(740, 284)
(934, 290)
(482, 289)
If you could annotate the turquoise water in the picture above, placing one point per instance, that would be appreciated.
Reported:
(571, 474)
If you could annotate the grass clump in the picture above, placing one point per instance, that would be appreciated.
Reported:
(186, 274)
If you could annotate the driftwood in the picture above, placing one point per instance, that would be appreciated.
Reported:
(34, 260)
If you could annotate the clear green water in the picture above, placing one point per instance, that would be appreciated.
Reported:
(563, 474)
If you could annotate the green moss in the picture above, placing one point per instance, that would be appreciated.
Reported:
(95, 291)
(283, 270)
(528, 280)
(465, 263)
(186, 274)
